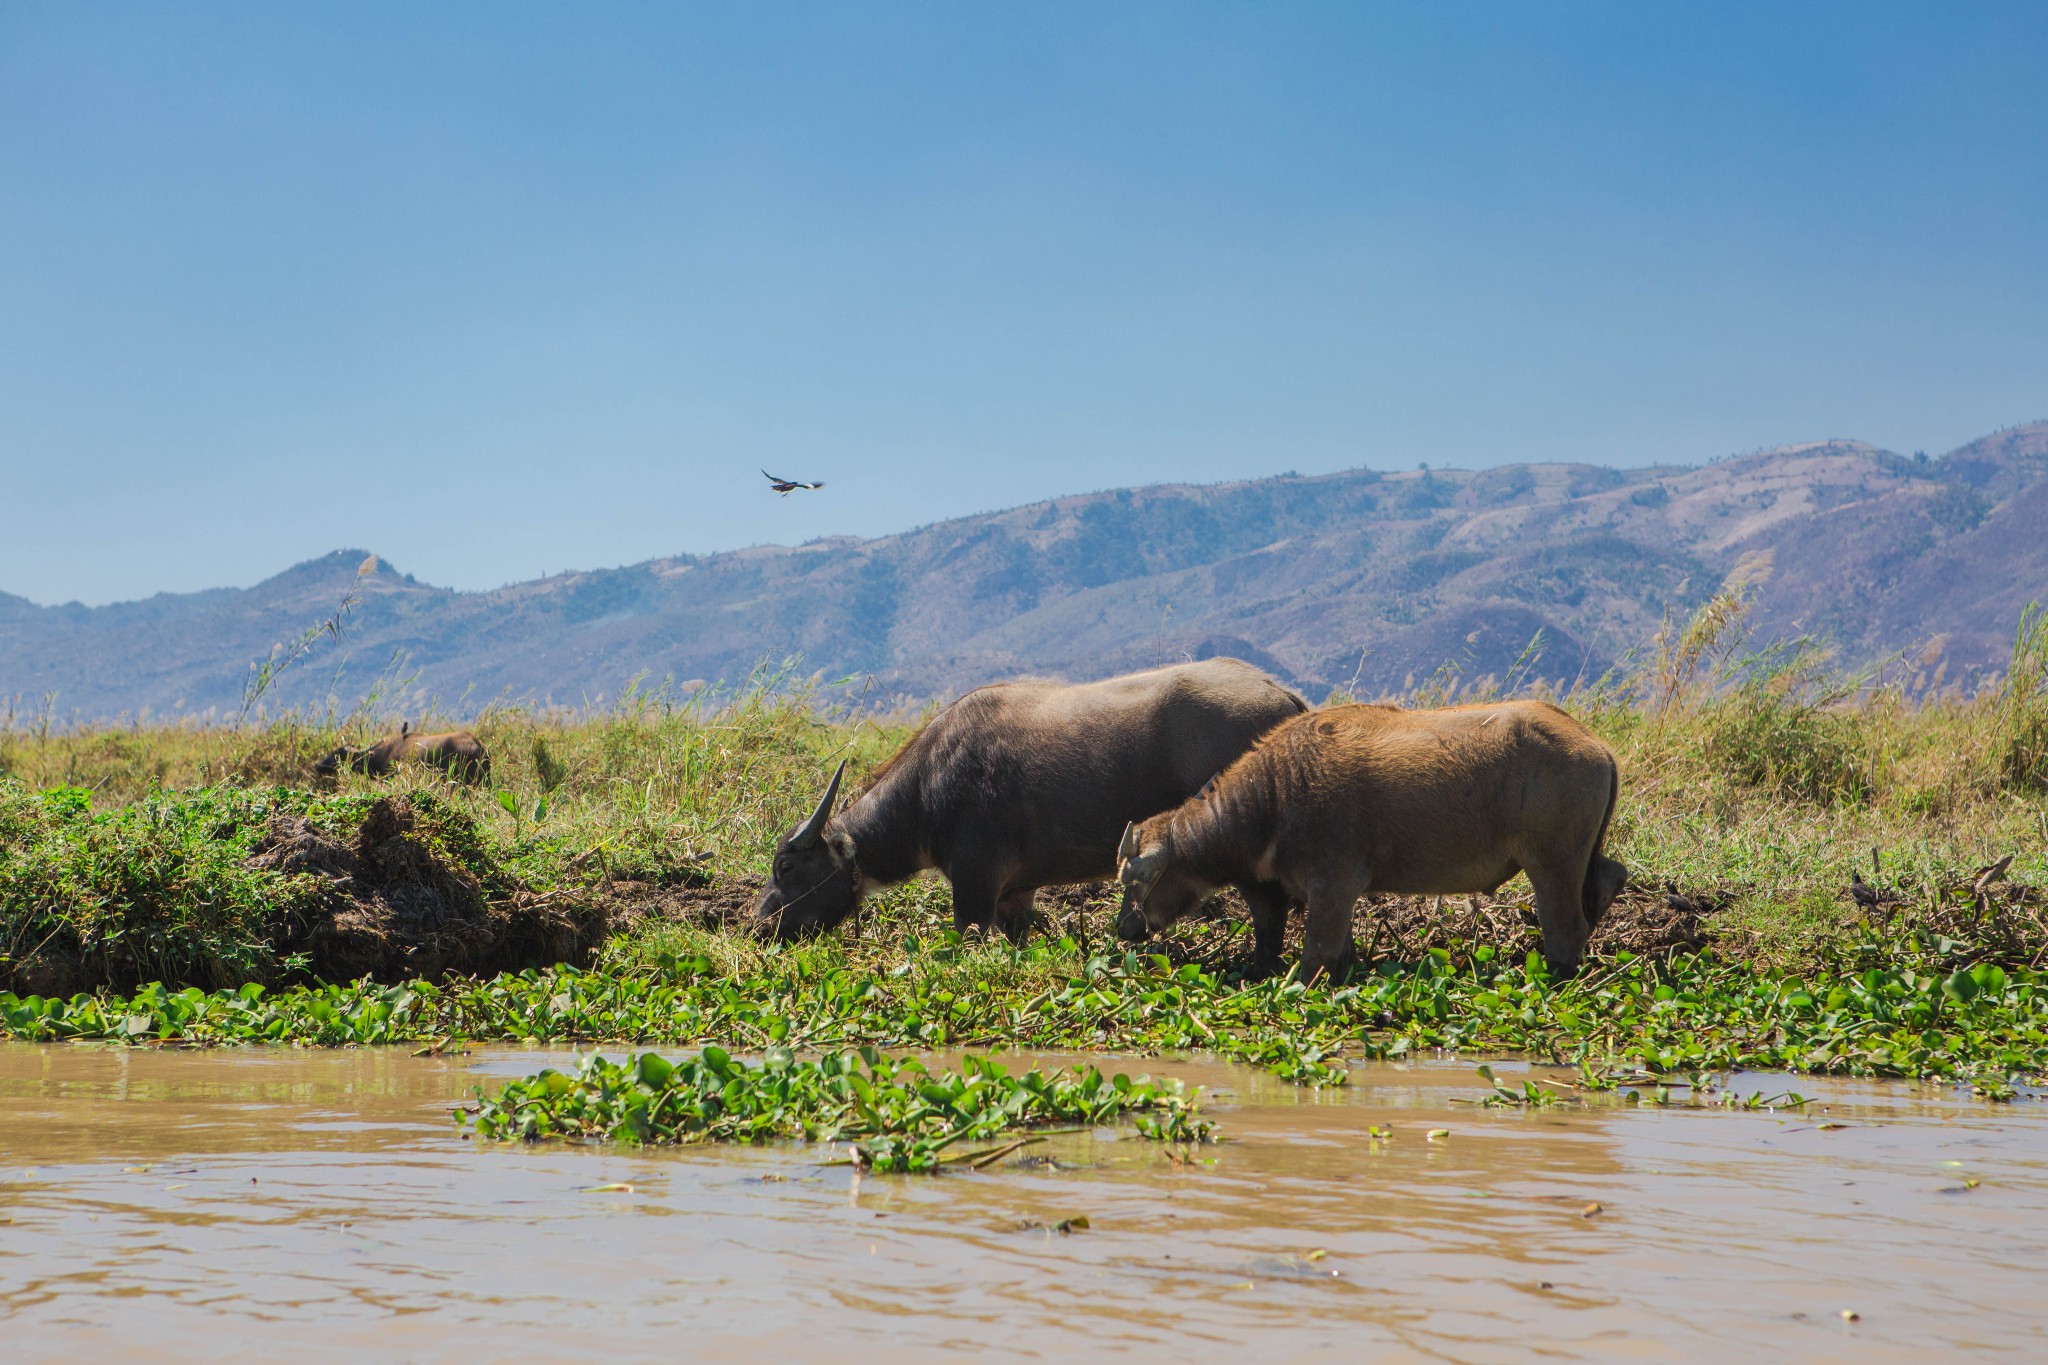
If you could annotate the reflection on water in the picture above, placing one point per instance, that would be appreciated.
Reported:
(249, 1201)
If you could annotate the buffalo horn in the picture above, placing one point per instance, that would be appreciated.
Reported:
(809, 832)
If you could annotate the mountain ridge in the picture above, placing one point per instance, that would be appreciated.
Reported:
(1359, 579)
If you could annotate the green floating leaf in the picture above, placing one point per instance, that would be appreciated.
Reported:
(903, 1115)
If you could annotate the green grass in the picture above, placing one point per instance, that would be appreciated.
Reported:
(158, 889)
(1758, 798)
(164, 888)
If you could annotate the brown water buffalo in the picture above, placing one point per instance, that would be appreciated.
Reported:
(1021, 785)
(1357, 799)
(458, 753)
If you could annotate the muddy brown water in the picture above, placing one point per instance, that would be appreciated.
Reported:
(245, 1202)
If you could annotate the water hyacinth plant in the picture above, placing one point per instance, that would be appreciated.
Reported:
(897, 1114)
(1907, 1013)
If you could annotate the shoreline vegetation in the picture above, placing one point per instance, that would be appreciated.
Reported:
(1828, 874)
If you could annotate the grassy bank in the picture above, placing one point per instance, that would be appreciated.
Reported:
(1828, 873)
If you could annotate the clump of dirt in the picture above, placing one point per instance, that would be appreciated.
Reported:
(47, 975)
(700, 897)
(394, 904)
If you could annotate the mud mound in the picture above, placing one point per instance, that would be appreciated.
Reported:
(395, 904)
(702, 898)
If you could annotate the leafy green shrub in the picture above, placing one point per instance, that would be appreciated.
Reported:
(159, 889)
(166, 888)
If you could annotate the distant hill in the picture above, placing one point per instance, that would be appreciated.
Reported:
(1363, 580)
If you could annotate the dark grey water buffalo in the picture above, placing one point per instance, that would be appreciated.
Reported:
(1021, 785)
(1357, 799)
(458, 753)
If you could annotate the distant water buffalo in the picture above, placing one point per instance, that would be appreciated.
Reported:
(458, 753)
(1021, 785)
(1357, 799)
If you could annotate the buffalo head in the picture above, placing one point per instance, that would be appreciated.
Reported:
(815, 883)
(1157, 892)
(342, 757)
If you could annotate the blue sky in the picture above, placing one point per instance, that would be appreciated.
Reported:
(498, 290)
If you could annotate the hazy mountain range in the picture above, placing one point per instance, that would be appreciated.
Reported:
(1360, 579)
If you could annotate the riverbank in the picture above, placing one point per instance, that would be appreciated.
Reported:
(620, 824)
(1822, 878)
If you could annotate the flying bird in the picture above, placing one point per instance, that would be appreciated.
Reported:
(787, 486)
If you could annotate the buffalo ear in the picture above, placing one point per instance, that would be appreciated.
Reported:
(404, 728)
(1128, 847)
(841, 844)
(807, 834)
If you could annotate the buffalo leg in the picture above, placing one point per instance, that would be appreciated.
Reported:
(1326, 944)
(1269, 905)
(974, 901)
(1560, 909)
(1013, 913)
(1604, 881)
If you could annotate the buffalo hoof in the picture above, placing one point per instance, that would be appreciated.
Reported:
(1333, 969)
